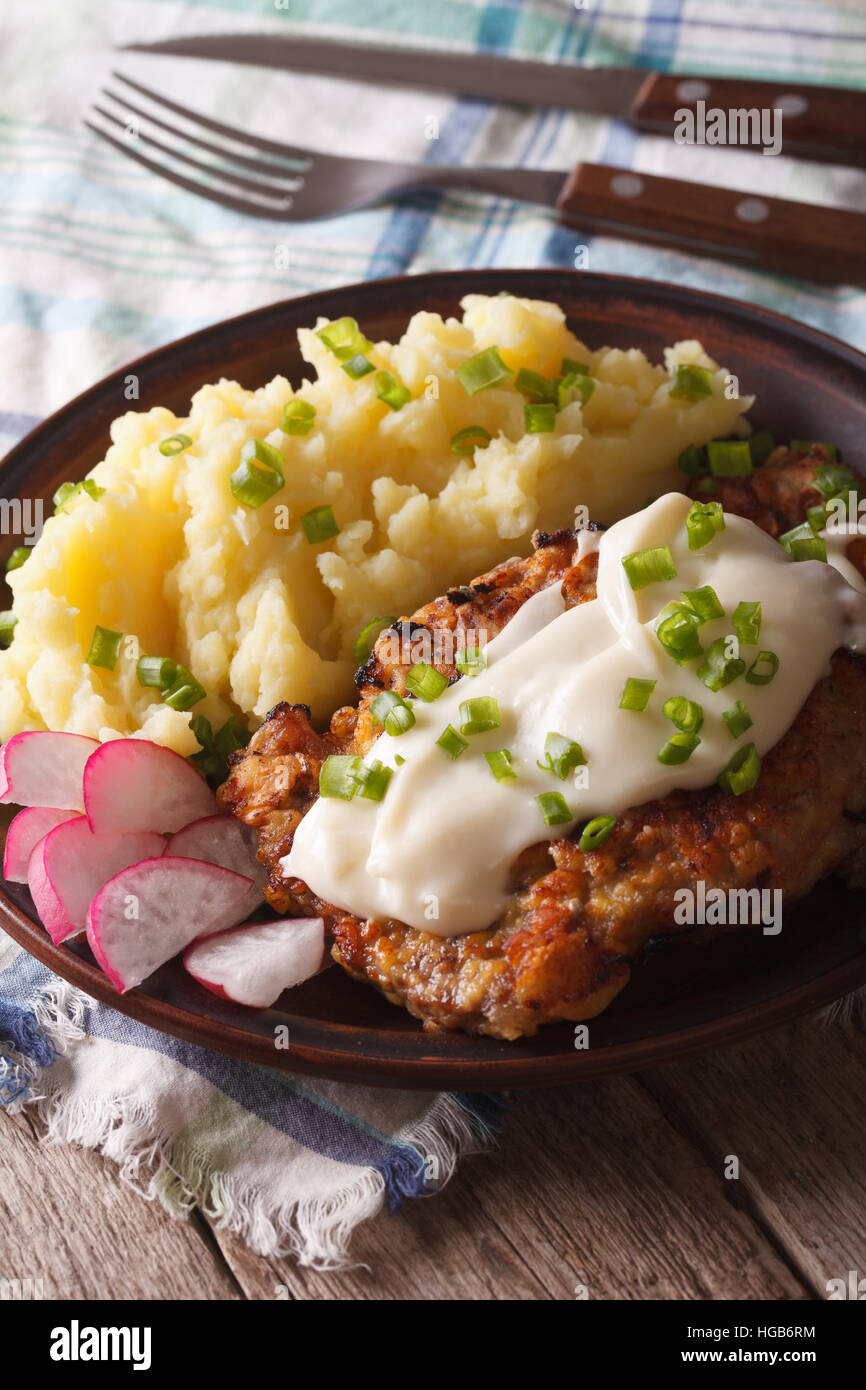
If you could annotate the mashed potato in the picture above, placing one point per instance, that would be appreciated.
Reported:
(168, 557)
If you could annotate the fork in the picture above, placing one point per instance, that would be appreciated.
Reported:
(270, 179)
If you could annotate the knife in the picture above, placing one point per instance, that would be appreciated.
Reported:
(821, 123)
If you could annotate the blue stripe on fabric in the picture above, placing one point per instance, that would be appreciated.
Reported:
(19, 1027)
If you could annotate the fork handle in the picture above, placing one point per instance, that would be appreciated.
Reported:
(803, 239)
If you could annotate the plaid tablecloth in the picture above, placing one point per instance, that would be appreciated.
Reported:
(100, 260)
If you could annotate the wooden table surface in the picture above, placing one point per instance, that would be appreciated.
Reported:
(617, 1187)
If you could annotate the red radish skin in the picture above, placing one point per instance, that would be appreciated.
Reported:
(70, 864)
(254, 964)
(151, 910)
(43, 768)
(131, 784)
(24, 834)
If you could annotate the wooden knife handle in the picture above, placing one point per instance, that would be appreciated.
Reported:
(825, 123)
(814, 242)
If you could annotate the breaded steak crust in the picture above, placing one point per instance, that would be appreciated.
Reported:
(575, 920)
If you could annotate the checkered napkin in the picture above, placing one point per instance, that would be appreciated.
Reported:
(100, 261)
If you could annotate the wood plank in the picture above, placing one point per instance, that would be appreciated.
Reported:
(591, 1186)
(66, 1218)
(790, 1106)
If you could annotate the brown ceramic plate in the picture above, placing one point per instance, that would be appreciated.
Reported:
(683, 997)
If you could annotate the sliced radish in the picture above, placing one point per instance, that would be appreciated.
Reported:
(254, 964)
(222, 840)
(131, 784)
(148, 912)
(41, 768)
(24, 834)
(70, 864)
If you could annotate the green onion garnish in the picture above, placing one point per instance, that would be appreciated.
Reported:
(569, 367)
(480, 715)
(756, 677)
(685, 715)
(554, 808)
(729, 458)
(595, 832)
(104, 648)
(742, 772)
(298, 417)
(691, 382)
(344, 338)
(678, 749)
(391, 711)
(805, 446)
(466, 441)
(534, 386)
(232, 736)
(159, 672)
(833, 479)
(373, 780)
(483, 370)
(761, 446)
(67, 490)
(717, 669)
(707, 485)
(817, 516)
(651, 566)
(747, 622)
(258, 475)
(691, 461)
(677, 631)
(203, 730)
(175, 444)
(539, 419)
(339, 775)
(398, 760)
(561, 755)
(320, 524)
(471, 662)
(367, 636)
(636, 693)
(20, 555)
(184, 691)
(391, 390)
(801, 543)
(451, 742)
(737, 719)
(705, 520)
(426, 682)
(705, 601)
(500, 765)
(358, 366)
(584, 385)
(7, 627)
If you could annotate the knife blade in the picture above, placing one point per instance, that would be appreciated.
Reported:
(821, 123)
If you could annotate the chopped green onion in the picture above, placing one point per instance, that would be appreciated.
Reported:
(729, 458)
(678, 749)
(554, 808)
(391, 390)
(567, 386)
(398, 760)
(339, 775)
(685, 715)
(231, 736)
(258, 475)
(156, 671)
(677, 631)
(691, 382)
(175, 444)
(344, 338)
(539, 419)
(184, 691)
(801, 543)
(466, 441)
(203, 731)
(471, 662)
(756, 677)
(651, 566)
(367, 636)
(298, 417)
(320, 524)
(817, 516)
(425, 681)
(761, 446)
(705, 520)
(500, 765)
(742, 772)
(805, 446)
(20, 555)
(636, 693)
(706, 485)
(747, 622)
(833, 479)
(483, 370)
(718, 670)
(391, 711)
(691, 461)
(561, 755)
(7, 627)
(373, 780)
(569, 367)
(705, 601)
(737, 718)
(104, 648)
(68, 490)
(480, 715)
(451, 742)
(358, 366)
(534, 386)
(595, 832)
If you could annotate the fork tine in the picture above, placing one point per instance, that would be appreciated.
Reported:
(231, 132)
(246, 205)
(227, 176)
(261, 166)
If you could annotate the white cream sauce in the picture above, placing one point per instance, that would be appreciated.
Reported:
(436, 851)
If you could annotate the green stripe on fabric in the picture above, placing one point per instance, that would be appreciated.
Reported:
(222, 1129)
